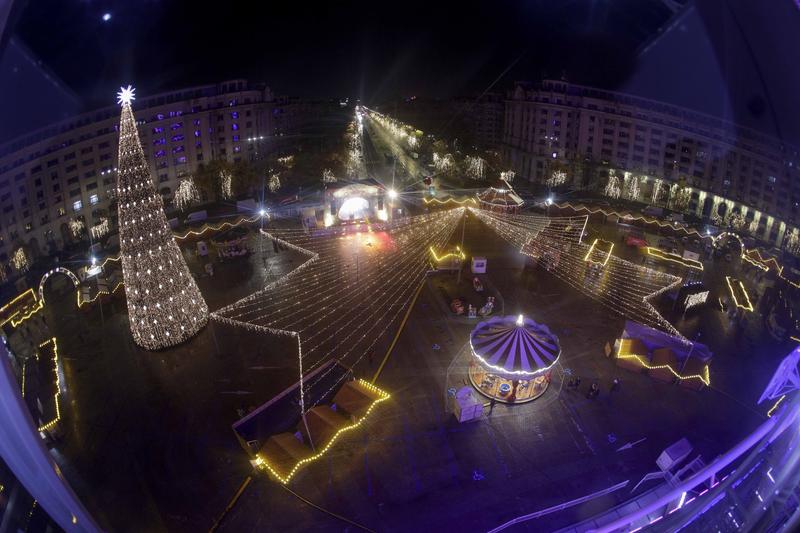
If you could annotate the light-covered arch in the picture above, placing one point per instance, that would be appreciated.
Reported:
(57, 270)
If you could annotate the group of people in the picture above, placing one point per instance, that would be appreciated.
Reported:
(594, 388)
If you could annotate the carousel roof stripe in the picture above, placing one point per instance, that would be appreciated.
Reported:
(513, 346)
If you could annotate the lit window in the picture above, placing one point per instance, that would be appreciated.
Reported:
(159, 129)
(235, 127)
(235, 114)
(237, 148)
(180, 160)
(176, 126)
(197, 133)
(236, 138)
(77, 205)
(93, 199)
(178, 137)
(160, 153)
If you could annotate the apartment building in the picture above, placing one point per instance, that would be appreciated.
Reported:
(67, 171)
(591, 132)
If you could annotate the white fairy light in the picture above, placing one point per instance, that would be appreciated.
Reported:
(793, 242)
(101, 229)
(558, 177)
(226, 185)
(186, 195)
(443, 164)
(158, 284)
(19, 260)
(76, 227)
(654, 199)
(613, 189)
(327, 176)
(274, 182)
(631, 186)
(476, 167)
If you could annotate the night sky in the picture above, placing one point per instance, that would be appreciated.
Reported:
(370, 50)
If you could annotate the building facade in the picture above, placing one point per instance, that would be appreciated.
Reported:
(67, 171)
(677, 157)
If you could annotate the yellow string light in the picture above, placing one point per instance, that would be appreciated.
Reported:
(772, 409)
(459, 254)
(57, 394)
(732, 284)
(705, 377)
(591, 249)
(674, 258)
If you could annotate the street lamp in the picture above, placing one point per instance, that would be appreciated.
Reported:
(392, 194)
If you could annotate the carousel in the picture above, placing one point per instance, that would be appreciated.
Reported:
(512, 358)
(501, 198)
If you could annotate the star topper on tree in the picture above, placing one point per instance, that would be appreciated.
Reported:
(126, 95)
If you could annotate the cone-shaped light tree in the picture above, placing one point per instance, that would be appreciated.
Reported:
(165, 306)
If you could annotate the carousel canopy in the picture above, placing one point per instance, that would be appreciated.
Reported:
(500, 194)
(514, 345)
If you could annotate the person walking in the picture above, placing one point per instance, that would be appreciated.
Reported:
(615, 385)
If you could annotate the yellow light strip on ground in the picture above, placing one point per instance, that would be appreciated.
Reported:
(460, 254)
(675, 258)
(591, 249)
(449, 200)
(705, 377)
(261, 462)
(731, 288)
(56, 396)
(772, 409)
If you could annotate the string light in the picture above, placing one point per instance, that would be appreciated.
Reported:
(624, 287)
(19, 260)
(261, 462)
(674, 258)
(508, 176)
(226, 184)
(613, 189)
(101, 229)
(187, 194)
(462, 201)
(57, 395)
(76, 227)
(775, 406)
(476, 167)
(743, 302)
(328, 177)
(588, 257)
(274, 182)
(165, 306)
(557, 177)
(705, 377)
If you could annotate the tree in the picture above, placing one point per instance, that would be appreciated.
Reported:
(165, 306)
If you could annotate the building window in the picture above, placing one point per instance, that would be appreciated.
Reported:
(94, 199)
(77, 205)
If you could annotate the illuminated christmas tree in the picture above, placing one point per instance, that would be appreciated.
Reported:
(165, 306)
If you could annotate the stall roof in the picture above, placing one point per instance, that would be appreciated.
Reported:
(654, 339)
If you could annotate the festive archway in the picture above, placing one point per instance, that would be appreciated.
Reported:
(57, 270)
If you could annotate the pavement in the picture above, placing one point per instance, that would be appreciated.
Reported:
(147, 442)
